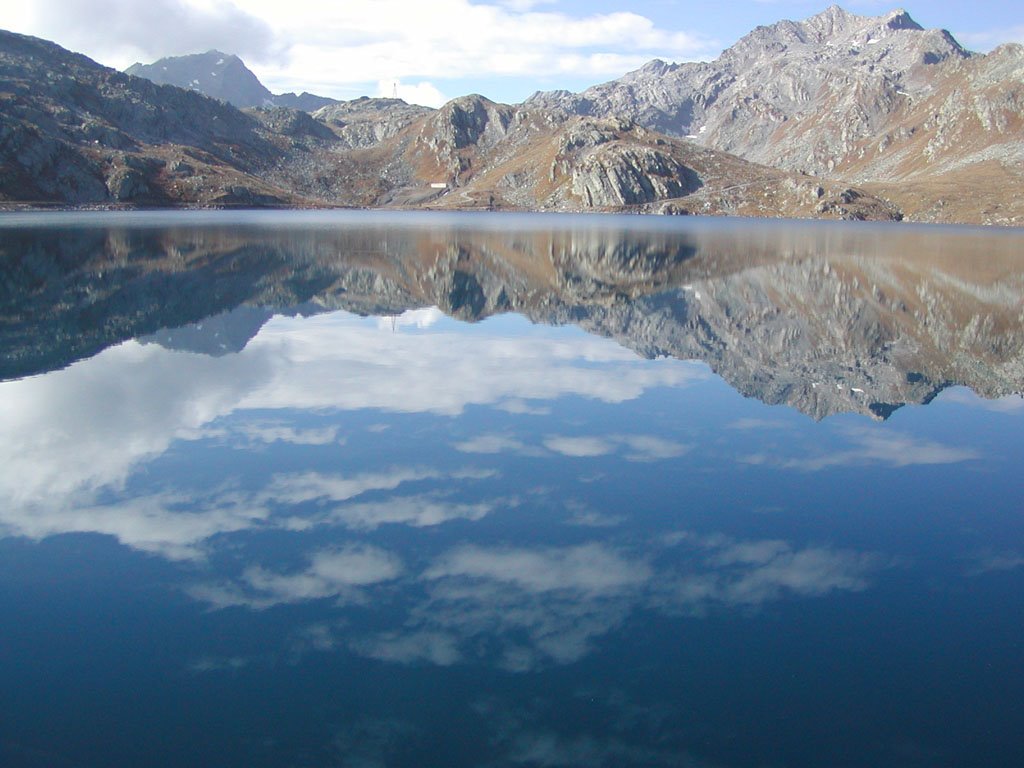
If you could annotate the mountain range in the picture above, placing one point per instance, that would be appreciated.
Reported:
(839, 115)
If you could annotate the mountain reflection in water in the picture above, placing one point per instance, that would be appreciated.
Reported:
(826, 318)
(267, 499)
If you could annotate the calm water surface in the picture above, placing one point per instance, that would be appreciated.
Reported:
(297, 489)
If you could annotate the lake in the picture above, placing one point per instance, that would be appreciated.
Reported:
(368, 489)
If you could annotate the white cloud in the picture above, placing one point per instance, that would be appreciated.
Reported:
(415, 511)
(331, 48)
(71, 432)
(534, 607)
(493, 444)
(873, 446)
(123, 31)
(458, 39)
(522, 608)
(579, 447)
(300, 487)
(636, 447)
(522, 408)
(586, 517)
(431, 647)
(994, 562)
(332, 361)
(752, 573)
(416, 318)
(272, 433)
(72, 437)
(172, 525)
(335, 573)
(651, 448)
(588, 569)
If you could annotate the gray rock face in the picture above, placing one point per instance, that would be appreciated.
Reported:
(795, 95)
(630, 176)
(471, 121)
(223, 76)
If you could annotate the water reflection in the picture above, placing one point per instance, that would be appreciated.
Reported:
(824, 318)
(339, 527)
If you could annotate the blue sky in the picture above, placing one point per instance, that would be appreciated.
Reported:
(432, 51)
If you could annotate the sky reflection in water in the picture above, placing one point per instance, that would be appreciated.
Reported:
(409, 540)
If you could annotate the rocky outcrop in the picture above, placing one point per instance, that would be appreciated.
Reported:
(630, 176)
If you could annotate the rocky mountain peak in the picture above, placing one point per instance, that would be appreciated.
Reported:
(836, 22)
(900, 19)
(831, 22)
(214, 73)
(808, 96)
(223, 76)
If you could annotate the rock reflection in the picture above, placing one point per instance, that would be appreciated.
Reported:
(824, 318)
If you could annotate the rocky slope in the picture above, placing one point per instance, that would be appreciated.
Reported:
(486, 155)
(223, 76)
(804, 318)
(75, 132)
(849, 97)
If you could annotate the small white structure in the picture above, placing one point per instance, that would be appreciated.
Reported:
(438, 185)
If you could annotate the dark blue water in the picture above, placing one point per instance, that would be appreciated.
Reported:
(488, 491)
